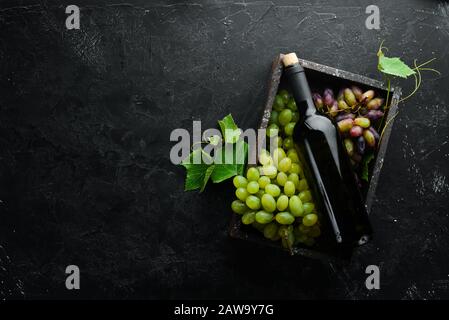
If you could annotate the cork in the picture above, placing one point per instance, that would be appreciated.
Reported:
(290, 59)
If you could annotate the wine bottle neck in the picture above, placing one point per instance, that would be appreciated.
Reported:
(300, 89)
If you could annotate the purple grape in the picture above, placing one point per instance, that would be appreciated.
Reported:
(345, 125)
(350, 97)
(356, 131)
(375, 133)
(367, 96)
(357, 92)
(362, 122)
(344, 116)
(328, 97)
(334, 109)
(375, 104)
(374, 115)
(369, 138)
(318, 100)
(361, 145)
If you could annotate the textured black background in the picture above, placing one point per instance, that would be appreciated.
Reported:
(85, 175)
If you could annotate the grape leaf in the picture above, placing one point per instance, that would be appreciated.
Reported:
(207, 175)
(365, 166)
(229, 129)
(197, 173)
(232, 161)
(393, 66)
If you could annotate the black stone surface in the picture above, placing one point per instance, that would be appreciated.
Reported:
(85, 174)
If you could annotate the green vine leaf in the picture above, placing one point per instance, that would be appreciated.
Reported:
(197, 173)
(207, 175)
(232, 155)
(229, 129)
(393, 66)
(232, 161)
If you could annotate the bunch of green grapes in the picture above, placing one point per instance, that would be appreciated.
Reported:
(274, 197)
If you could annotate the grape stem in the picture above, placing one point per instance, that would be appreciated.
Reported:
(386, 125)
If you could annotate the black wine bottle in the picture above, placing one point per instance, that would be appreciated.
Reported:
(327, 165)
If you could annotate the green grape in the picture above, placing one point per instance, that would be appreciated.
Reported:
(264, 217)
(285, 117)
(253, 202)
(289, 128)
(265, 158)
(274, 117)
(273, 190)
(281, 179)
(268, 202)
(296, 207)
(315, 231)
(260, 193)
(252, 187)
(263, 182)
(249, 217)
(271, 230)
(239, 207)
(303, 185)
(309, 220)
(272, 130)
(285, 96)
(258, 226)
(278, 103)
(292, 105)
(252, 174)
(295, 168)
(289, 188)
(288, 143)
(305, 196)
(293, 177)
(269, 171)
(241, 194)
(295, 116)
(308, 207)
(285, 218)
(239, 182)
(303, 229)
(282, 203)
(276, 237)
(278, 155)
(293, 155)
(285, 164)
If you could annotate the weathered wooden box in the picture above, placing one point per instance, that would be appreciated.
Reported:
(319, 77)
